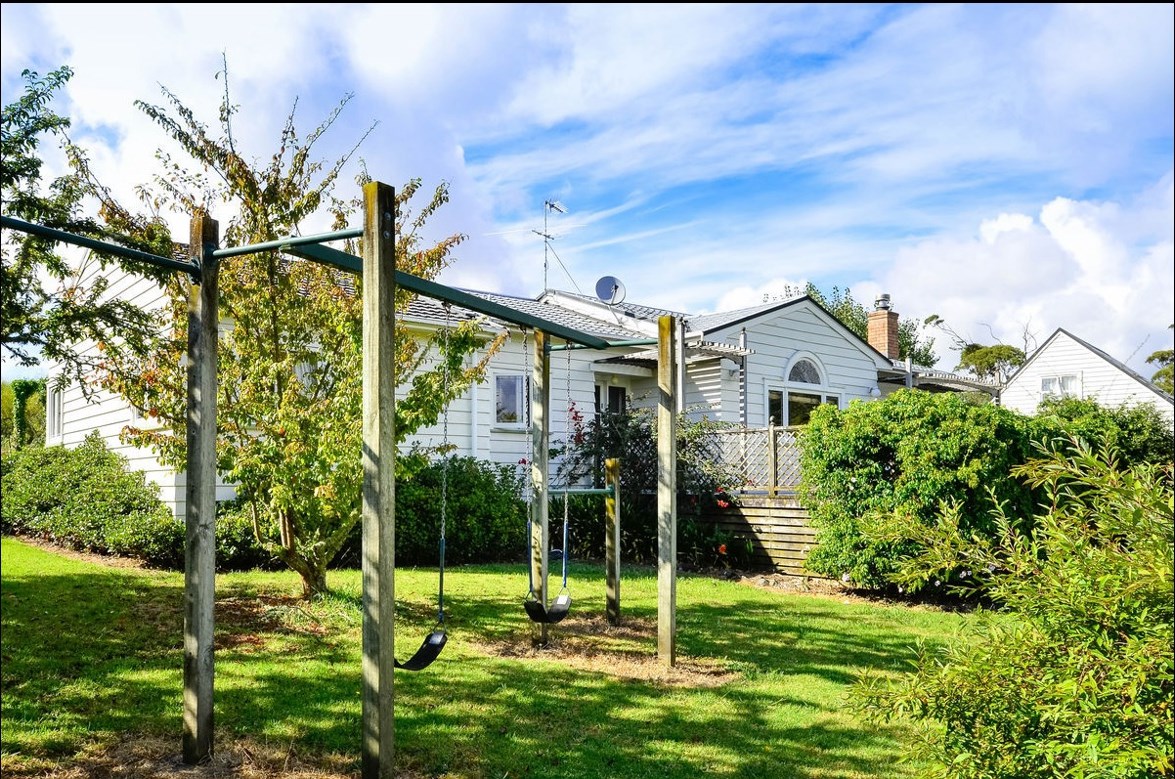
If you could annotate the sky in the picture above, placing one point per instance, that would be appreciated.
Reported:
(1007, 167)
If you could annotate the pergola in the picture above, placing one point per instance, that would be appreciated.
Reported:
(380, 279)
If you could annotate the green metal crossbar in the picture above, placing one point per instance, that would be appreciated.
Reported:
(308, 247)
(283, 244)
(99, 246)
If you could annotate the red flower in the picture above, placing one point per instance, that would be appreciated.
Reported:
(722, 549)
(722, 504)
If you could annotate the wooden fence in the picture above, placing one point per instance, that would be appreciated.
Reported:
(775, 528)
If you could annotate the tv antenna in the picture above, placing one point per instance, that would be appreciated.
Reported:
(548, 207)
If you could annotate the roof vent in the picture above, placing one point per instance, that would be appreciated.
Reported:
(882, 303)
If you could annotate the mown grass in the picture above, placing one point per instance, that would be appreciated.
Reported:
(92, 655)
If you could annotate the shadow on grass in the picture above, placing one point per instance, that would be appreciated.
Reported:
(98, 652)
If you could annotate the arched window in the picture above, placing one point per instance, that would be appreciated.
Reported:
(804, 371)
(804, 389)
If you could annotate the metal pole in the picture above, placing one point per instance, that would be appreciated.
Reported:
(200, 494)
(379, 481)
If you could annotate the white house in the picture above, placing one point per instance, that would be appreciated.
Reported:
(768, 364)
(1066, 365)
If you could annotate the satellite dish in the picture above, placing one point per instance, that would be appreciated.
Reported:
(610, 290)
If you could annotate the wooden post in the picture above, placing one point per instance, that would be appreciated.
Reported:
(772, 461)
(667, 368)
(379, 481)
(612, 539)
(200, 493)
(540, 461)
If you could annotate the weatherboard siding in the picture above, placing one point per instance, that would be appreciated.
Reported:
(1097, 379)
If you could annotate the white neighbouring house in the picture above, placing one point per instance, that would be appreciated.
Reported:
(767, 364)
(1066, 365)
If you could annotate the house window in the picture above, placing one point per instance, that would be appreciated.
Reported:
(54, 424)
(510, 399)
(1060, 386)
(790, 407)
(804, 371)
(617, 400)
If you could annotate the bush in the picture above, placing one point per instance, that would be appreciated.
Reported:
(631, 437)
(1139, 434)
(898, 460)
(485, 517)
(85, 499)
(1074, 675)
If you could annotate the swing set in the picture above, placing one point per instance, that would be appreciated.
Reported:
(380, 280)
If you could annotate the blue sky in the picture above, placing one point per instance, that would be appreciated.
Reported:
(1005, 166)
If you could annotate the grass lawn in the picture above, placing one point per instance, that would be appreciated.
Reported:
(92, 677)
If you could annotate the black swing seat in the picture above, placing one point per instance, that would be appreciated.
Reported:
(540, 613)
(429, 650)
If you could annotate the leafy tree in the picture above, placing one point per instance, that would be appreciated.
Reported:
(289, 387)
(1072, 675)
(996, 361)
(52, 307)
(855, 316)
(1164, 377)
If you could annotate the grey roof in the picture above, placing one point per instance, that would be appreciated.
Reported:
(708, 323)
(613, 331)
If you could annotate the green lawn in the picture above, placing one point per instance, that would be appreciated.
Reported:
(92, 656)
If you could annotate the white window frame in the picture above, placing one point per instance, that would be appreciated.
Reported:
(785, 388)
(54, 419)
(522, 407)
(1053, 385)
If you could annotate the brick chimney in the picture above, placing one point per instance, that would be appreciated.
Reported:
(883, 327)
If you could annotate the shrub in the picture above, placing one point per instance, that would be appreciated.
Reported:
(1139, 434)
(900, 458)
(1074, 675)
(86, 499)
(485, 518)
(632, 438)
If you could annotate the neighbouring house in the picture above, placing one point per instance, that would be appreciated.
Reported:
(769, 364)
(1066, 365)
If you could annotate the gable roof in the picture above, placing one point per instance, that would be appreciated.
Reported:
(1121, 366)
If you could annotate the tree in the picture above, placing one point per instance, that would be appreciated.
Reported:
(855, 316)
(289, 388)
(1164, 377)
(997, 361)
(53, 307)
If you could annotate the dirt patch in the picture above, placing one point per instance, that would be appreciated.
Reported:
(111, 561)
(589, 643)
(156, 758)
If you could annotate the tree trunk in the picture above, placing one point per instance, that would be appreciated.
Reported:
(313, 581)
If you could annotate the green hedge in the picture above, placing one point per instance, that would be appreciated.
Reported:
(901, 459)
(85, 499)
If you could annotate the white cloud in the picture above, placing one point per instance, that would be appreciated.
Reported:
(1082, 266)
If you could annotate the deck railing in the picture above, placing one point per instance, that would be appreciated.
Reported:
(761, 460)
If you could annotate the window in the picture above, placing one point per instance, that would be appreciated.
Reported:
(1058, 386)
(794, 407)
(510, 399)
(804, 371)
(53, 422)
(617, 400)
